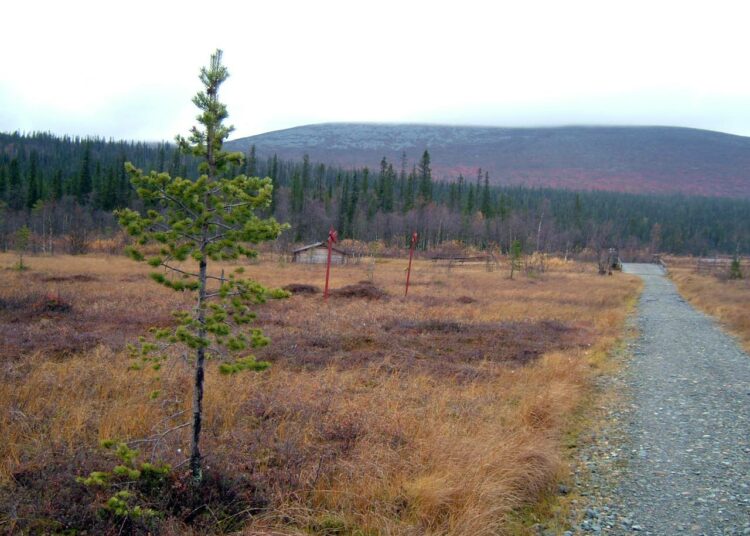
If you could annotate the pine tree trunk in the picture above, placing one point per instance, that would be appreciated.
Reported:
(195, 454)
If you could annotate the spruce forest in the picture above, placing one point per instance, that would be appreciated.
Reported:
(66, 187)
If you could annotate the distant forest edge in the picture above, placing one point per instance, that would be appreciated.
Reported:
(632, 159)
(62, 186)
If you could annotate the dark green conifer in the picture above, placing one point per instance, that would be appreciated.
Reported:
(33, 193)
(252, 162)
(344, 207)
(56, 191)
(352, 206)
(298, 193)
(409, 193)
(3, 183)
(15, 197)
(486, 206)
(425, 179)
(85, 184)
(305, 173)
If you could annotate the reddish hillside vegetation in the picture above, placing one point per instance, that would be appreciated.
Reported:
(626, 159)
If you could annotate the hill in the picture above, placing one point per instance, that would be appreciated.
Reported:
(624, 159)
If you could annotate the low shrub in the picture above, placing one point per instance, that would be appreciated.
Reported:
(301, 288)
(363, 289)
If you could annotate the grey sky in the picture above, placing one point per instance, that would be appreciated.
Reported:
(129, 70)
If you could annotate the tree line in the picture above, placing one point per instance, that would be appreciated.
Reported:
(58, 185)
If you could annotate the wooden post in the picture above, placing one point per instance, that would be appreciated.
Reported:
(331, 239)
(411, 256)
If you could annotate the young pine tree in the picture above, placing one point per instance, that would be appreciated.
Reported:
(22, 239)
(207, 220)
(735, 271)
(515, 255)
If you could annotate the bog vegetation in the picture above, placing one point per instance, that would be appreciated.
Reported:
(444, 413)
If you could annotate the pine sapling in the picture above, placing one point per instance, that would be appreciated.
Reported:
(735, 270)
(195, 223)
(515, 257)
(22, 239)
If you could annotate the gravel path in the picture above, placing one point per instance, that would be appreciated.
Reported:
(683, 463)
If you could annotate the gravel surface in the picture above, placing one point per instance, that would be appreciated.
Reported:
(674, 455)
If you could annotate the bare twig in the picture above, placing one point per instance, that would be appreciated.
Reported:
(169, 266)
(170, 417)
(161, 437)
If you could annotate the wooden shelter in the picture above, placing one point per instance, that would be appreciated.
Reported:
(317, 253)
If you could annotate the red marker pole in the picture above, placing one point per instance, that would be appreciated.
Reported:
(331, 239)
(411, 256)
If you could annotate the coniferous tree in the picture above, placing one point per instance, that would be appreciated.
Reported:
(515, 257)
(486, 206)
(578, 212)
(33, 191)
(352, 206)
(21, 242)
(206, 220)
(15, 197)
(108, 192)
(453, 197)
(274, 174)
(305, 173)
(409, 194)
(425, 179)
(735, 270)
(252, 162)
(365, 181)
(320, 173)
(298, 193)
(124, 189)
(174, 168)
(56, 191)
(388, 191)
(470, 200)
(381, 182)
(344, 207)
(3, 184)
(85, 185)
(162, 158)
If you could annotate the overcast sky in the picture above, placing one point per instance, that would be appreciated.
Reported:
(130, 69)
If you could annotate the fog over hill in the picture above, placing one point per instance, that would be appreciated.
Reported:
(626, 159)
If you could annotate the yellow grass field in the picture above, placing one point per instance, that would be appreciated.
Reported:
(443, 413)
(727, 300)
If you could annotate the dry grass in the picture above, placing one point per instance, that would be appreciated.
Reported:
(439, 414)
(725, 299)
